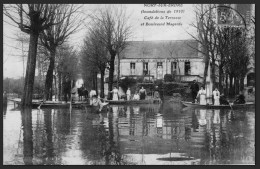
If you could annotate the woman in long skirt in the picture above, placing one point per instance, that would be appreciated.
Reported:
(216, 96)
(115, 93)
(202, 96)
(128, 94)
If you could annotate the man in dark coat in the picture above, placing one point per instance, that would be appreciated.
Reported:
(66, 89)
(194, 90)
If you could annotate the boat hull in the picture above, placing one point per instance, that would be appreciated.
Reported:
(53, 104)
(132, 101)
(234, 106)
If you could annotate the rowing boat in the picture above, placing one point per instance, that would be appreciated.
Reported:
(54, 104)
(210, 106)
(150, 101)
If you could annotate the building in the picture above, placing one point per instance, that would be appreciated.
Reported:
(154, 59)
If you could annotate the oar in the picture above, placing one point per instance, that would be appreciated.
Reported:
(39, 107)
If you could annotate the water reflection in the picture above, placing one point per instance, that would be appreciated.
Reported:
(27, 136)
(129, 135)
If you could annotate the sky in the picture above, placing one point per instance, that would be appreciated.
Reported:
(173, 13)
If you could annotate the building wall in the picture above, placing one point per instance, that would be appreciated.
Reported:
(196, 65)
(197, 68)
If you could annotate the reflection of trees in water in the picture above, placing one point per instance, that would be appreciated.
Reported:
(195, 123)
(50, 130)
(27, 136)
(48, 158)
(227, 141)
(100, 144)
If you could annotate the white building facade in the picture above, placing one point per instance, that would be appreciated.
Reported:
(154, 59)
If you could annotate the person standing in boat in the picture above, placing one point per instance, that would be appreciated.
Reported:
(194, 90)
(115, 93)
(142, 93)
(128, 94)
(66, 89)
(156, 94)
(216, 96)
(136, 96)
(202, 96)
(91, 94)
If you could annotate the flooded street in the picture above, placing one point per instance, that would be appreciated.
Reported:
(147, 134)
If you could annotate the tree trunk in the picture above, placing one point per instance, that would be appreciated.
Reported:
(206, 69)
(55, 87)
(118, 70)
(102, 84)
(241, 84)
(111, 74)
(49, 77)
(93, 80)
(30, 71)
(220, 82)
(231, 86)
(213, 74)
(96, 82)
(59, 86)
(236, 82)
(226, 81)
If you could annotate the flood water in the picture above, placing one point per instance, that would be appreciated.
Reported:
(153, 134)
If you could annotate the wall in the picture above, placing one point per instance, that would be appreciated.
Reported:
(197, 66)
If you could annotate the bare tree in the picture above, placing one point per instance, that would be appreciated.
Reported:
(55, 35)
(66, 66)
(222, 35)
(114, 33)
(206, 27)
(31, 19)
(23, 40)
(93, 52)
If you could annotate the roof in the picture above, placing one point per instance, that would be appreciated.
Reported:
(161, 49)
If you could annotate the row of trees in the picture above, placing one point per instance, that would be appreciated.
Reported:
(107, 38)
(49, 25)
(225, 48)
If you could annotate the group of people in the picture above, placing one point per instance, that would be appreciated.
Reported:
(137, 96)
(217, 98)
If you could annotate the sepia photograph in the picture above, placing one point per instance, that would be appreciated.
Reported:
(128, 84)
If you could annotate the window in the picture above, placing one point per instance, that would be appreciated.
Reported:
(159, 64)
(145, 68)
(174, 67)
(132, 65)
(159, 70)
(132, 68)
(187, 68)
